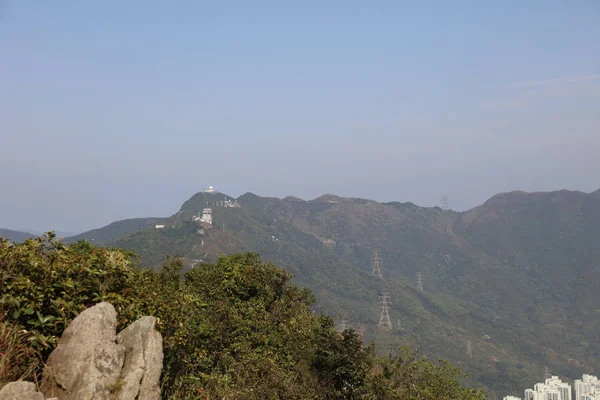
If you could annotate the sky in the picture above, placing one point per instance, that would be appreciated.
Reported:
(113, 110)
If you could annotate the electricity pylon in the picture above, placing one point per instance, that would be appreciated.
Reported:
(377, 263)
(384, 319)
(419, 282)
(469, 350)
(343, 326)
(444, 202)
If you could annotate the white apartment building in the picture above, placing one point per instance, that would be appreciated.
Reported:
(552, 389)
(587, 388)
(542, 392)
(563, 387)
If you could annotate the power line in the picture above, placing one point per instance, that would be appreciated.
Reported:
(343, 325)
(445, 202)
(547, 373)
(446, 219)
(419, 282)
(469, 350)
(384, 319)
(377, 263)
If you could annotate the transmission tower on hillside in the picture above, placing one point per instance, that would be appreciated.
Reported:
(547, 373)
(469, 350)
(419, 282)
(446, 218)
(445, 202)
(384, 319)
(377, 263)
(343, 326)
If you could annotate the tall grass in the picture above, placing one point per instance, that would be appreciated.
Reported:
(18, 360)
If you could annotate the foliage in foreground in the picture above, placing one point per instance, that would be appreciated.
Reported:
(18, 360)
(236, 329)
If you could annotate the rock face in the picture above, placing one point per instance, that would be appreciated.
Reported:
(92, 362)
(87, 362)
(143, 360)
(20, 390)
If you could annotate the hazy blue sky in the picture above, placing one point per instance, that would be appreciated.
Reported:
(118, 109)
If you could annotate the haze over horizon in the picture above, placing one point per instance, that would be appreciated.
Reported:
(119, 110)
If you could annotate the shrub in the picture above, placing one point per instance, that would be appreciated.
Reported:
(236, 329)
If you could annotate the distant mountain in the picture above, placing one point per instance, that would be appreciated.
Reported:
(115, 230)
(518, 276)
(59, 234)
(15, 236)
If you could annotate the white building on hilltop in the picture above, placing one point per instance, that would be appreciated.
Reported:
(587, 388)
(210, 189)
(231, 203)
(552, 389)
(206, 216)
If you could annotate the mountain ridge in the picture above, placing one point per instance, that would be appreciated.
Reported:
(512, 275)
(15, 236)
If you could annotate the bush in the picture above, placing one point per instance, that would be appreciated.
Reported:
(236, 329)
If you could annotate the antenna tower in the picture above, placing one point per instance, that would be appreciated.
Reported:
(547, 373)
(419, 282)
(377, 263)
(384, 318)
(469, 350)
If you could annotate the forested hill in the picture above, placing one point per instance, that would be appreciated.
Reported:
(518, 276)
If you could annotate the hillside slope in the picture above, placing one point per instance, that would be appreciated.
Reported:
(114, 230)
(518, 276)
(15, 236)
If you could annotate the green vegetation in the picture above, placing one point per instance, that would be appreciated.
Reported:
(235, 329)
(18, 359)
(517, 276)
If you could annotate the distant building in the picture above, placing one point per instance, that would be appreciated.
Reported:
(587, 388)
(210, 189)
(542, 392)
(552, 389)
(231, 203)
(511, 398)
(206, 216)
(157, 226)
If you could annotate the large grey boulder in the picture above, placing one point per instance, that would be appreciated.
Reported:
(20, 390)
(141, 371)
(87, 362)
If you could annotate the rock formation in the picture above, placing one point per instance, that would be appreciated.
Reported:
(87, 362)
(92, 362)
(143, 360)
(20, 390)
